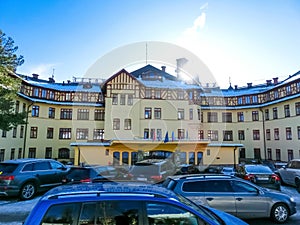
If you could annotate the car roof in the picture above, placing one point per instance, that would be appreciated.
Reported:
(111, 188)
(201, 176)
(26, 160)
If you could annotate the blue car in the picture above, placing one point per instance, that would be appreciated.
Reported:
(123, 203)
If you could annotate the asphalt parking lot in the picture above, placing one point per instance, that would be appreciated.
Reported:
(14, 212)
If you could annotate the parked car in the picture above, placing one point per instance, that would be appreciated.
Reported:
(122, 204)
(152, 170)
(233, 195)
(228, 170)
(26, 177)
(290, 174)
(259, 174)
(186, 169)
(89, 174)
(212, 169)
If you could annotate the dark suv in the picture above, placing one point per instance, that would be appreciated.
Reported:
(233, 195)
(113, 203)
(152, 170)
(26, 177)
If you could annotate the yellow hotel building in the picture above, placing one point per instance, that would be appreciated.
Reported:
(149, 111)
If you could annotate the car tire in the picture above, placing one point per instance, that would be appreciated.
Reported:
(280, 213)
(27, 191)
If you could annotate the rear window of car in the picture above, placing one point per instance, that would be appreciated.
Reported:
(207, 186)
(78, 172)
(144, 169)
(7, 168)
(258, 169)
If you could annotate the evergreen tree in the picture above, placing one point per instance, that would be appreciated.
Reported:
(9, 84)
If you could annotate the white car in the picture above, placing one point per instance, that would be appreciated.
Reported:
(290, 174)
(228, 171)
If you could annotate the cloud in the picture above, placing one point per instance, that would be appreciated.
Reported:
(45, 70)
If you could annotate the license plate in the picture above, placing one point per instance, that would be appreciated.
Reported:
(262, 178)
(141, 179)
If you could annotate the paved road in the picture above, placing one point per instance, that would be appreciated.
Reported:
(13, 212)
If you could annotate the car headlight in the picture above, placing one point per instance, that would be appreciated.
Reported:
(292, 199)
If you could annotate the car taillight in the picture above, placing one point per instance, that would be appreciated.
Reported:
(157, 178)
(7, 178)
(129, 176)
(249, 177)
(87, 180)
(275, 177)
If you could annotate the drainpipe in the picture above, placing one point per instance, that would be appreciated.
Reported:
(264, 136)
(234, 158)
(25, 134)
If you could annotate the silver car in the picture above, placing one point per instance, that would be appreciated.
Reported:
(290, 174)
(233, 195)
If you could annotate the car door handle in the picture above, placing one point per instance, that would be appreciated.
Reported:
(209, 199)
(239, 199)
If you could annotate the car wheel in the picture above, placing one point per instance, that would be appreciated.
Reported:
(280, 213)
(28, 191)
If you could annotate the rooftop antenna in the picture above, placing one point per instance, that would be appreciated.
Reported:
(53, 73)
(146, 53)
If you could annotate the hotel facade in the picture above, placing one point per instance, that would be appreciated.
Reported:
(128, 116)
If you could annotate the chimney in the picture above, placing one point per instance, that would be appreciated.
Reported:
(51, 80)
(35, 76)
(275, 80)
(68, 81)
(235, 87)
(163, 68)
(249, 85)
(269, 82)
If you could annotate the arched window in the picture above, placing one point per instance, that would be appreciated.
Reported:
(63, 153)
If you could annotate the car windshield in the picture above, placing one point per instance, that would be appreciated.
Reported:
(258, 169)
(203, 211)
(7, 168)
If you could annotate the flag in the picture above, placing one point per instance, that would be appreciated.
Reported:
(166, 137)
(173, 136)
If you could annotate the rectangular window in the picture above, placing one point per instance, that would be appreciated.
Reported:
(288, 132)
(276, 134)
(122, 99)
(48, 153)
(146, 133)
(82, 133)
(200, 115)
(290, 155)
(83, 114)
(212, 135)
(180, 95)
(99, 114)
(20, 153)
(35, 111)
(65, 133)
(127, 124)
(24, 107)
(152, 134)
(116, 124)
(17, 109)
(180, 133)
(256, 135)
(227, 135)
(269, 152)
(51, 113)
(22, 132)
(255, 116)
(14, 134)
(130, 99)
(191, 115)
(66, 114)
(32, 153)
(2, 154)
(200, 134)
(157, 94)
(278, 155)
(148, 93)
(212, 117)
(257, 154)
(226, 117)
(180, 114)
(268, 134)
(98, 134)
(241, 135)
(148, 112)
(50, 132)
(287, 110)
(4, 133)
(267, 117)
(12, 153)
(157, 113)
(158, 134)
(297, 108)
(115, 99)
(33, 132)
(240, 116)
(275, 113)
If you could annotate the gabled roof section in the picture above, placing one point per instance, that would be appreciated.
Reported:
(152, 77)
